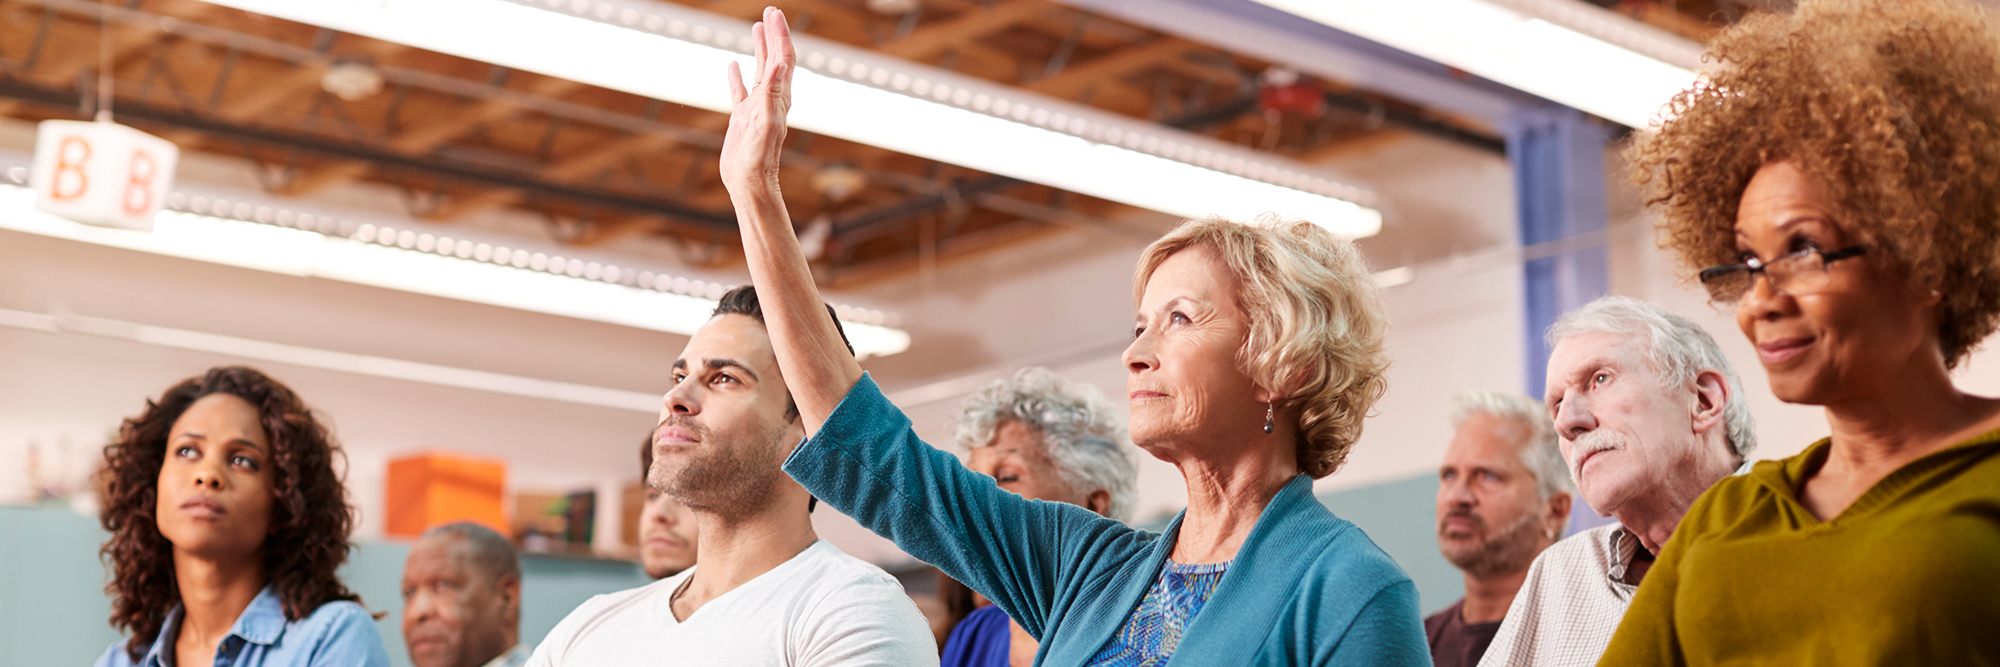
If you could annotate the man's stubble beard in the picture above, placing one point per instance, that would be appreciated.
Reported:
(727, 476)
(1511, 549)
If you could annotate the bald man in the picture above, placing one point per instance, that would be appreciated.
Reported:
(462, 599)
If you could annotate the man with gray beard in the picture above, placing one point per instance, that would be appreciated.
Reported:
(1649, 415)
(1503, 496)
(768, 591)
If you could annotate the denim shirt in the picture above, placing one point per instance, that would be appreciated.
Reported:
(337, 634)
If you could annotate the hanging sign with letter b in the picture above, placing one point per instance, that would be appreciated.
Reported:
(102, 173)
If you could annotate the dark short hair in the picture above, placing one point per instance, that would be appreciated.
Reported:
(489, 551)
(743, 301)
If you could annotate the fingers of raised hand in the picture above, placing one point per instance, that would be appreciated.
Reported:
(736, 91)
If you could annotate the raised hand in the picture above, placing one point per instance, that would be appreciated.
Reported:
(756, 133)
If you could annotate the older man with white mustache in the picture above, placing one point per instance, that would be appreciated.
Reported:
(1649, 415)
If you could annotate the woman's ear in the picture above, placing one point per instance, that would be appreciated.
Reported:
(1098, 501)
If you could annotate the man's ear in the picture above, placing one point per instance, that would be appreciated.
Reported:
(1711, 398)
(510, 598)
(1559, 506)
(1098, 501)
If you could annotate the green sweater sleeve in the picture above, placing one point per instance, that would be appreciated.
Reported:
(1025, 555)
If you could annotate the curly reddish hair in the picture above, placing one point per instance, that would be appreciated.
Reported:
(310, 517)
(1893, 106)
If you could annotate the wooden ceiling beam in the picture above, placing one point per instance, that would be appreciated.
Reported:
(300, 79)
(422, 139)
(1353, 146)
(1072, 81)
(930, 40)
(127, 39)
(575, 166)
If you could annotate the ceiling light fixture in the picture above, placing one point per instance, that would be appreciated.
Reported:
(1581, 56)
(301, 244)
(678, 54)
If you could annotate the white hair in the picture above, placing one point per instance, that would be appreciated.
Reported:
(1075, 423)
(1540, 454)
(1678, 348)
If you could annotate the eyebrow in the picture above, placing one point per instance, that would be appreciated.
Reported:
(1170, 304)
(720, 364)
(1794, 222)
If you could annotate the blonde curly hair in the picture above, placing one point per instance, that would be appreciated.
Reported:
(1316, 326)
(1893, 106)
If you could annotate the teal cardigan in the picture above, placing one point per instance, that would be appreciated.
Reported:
(1307, 588)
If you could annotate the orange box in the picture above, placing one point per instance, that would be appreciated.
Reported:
(443, 487)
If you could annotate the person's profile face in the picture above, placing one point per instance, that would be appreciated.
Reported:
(1485, 491)
(724, 423)
(1623, 431)
(667, 534)
(215, 493)
(451, 617)
(1183, 377)
(1018, 460)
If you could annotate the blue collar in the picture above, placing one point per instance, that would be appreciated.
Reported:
(260, 623)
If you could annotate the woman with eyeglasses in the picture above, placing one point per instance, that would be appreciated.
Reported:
(1839, 175)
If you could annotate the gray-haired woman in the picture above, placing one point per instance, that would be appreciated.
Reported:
(1257, 351)
(1044, 438)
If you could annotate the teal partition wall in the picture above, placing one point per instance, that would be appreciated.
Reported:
(1401, 516)
(53, 610)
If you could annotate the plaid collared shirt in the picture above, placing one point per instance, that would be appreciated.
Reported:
(1570, 604)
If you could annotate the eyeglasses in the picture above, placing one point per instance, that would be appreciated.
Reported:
(1796, 274)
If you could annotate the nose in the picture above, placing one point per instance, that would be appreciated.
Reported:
(680, 400)
(208, 477)
(1764, 301)
(1457, 491)
(421, 606)
(1573, 417)
(665, 515)
(1139, 356)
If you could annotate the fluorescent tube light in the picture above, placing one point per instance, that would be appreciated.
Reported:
(678, 54)
(1622, 70)
(360, 364)
(422, 263)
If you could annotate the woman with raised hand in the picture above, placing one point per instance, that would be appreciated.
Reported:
(228, 522)
(1257, 352)
(1836, 175)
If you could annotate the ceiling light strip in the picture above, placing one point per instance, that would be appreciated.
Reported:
(1583, 57)
(359, 364)
(315, 246)
(677, 54)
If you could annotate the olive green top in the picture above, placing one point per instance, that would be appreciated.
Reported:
(1907, 575)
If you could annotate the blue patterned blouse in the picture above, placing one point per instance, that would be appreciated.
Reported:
(1151, 633)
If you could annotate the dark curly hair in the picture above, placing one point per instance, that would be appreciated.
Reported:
(310, 517)
(1893, 106)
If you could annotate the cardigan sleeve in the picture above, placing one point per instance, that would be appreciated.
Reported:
(1383, 632)
(1022, 554)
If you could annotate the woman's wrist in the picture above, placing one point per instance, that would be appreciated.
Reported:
(749, 197)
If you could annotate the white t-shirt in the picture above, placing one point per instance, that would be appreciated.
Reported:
(821, 608)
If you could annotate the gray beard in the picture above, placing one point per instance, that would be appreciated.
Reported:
(1510, 550)
(731, 479)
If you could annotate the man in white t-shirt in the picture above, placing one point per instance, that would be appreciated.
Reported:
(765, 590)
